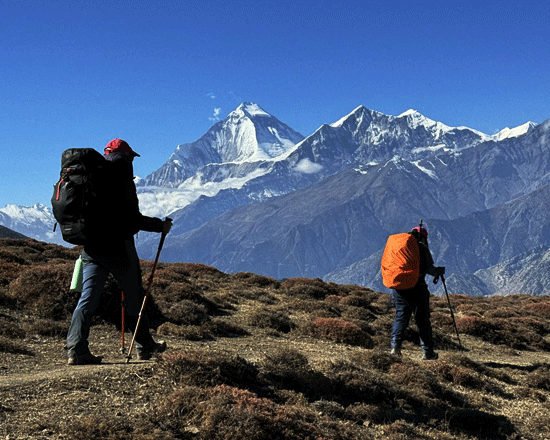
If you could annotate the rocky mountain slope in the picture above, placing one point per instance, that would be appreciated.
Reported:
(378, 175)
(8, 233)
(254, 195)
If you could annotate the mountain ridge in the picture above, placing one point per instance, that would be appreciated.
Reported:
(469, 173)
(266, 195)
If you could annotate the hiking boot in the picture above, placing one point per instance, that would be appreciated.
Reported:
(395, 351)
(145, 355)
(85, 359)
(430, 355)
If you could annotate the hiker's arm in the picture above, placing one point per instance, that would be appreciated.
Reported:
(153, 224)
(427, 263)
(426, 260)
(150, 224)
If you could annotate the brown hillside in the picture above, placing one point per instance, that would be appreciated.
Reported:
(252, 357)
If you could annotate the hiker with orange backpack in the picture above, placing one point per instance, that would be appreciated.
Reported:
(406, 261)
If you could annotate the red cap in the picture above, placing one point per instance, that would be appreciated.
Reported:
(119, 146)
(421, 231)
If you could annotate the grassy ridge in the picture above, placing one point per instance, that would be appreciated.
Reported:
(257, 358)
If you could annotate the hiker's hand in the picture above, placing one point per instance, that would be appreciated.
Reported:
(166, 226)
(438, 273)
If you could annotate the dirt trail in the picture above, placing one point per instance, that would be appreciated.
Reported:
(47, 361)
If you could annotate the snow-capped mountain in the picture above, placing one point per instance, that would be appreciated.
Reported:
(374, 175)
(254, 195)
(234, 151)
(368, 137)
(35, 221)
(248, 135)
(197, 190)
(506, 133)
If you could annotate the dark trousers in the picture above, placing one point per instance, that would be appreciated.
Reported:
(406, 302)
(96, 267)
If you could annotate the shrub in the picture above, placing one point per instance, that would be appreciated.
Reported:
(457, 374)
(540, 378)
(352, 313)
(253, 279)
(11, 329)
(44, 290)
(541, 309)
(479, 424)
(422, 385)
(9, 271)
(399, 430)
(197, 270)
(271, 319)
(522, 333)
(97, 427)
(186, 312)
(501, 312)
(221, 327)
(474, 326)
(7, 345)
(173, 291)
(47, 327)
(207, 369)
(442, 321)
(227, 413)
(188, 332)
(380, 360)
(285, 361)
(338, 330)
(352, 383)
(8, 256)
(358, 299)
(289, 369)
(334, 299)
(175, 272)
(306, 287)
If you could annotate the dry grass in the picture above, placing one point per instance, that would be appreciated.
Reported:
(253, 357)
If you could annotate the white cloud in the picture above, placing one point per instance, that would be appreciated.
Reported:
(306, 166)
(216, 115)
(211, 95)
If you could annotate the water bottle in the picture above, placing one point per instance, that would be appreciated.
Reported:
(76, 282)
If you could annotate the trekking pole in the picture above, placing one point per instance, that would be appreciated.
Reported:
(149, 283)
(452, 314)
(122, 325)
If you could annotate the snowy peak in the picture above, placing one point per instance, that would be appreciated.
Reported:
(250, 134)
(367, 136)
(250, 110)
(356, 114)
(28, 214)
(507, 133)
(416, 119)
(247, 135)
(35, 221)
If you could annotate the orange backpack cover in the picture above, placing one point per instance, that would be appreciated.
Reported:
(400, 262)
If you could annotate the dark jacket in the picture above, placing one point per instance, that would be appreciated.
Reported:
(121, 218)
(426, 264)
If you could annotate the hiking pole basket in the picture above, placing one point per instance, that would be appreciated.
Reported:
(452, 313)
(149, 283)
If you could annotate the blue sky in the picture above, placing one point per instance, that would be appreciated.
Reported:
(78, 73)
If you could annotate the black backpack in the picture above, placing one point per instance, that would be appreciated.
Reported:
(77, 201)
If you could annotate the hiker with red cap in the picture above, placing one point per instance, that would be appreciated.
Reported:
(411, 292)
(114, 251)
